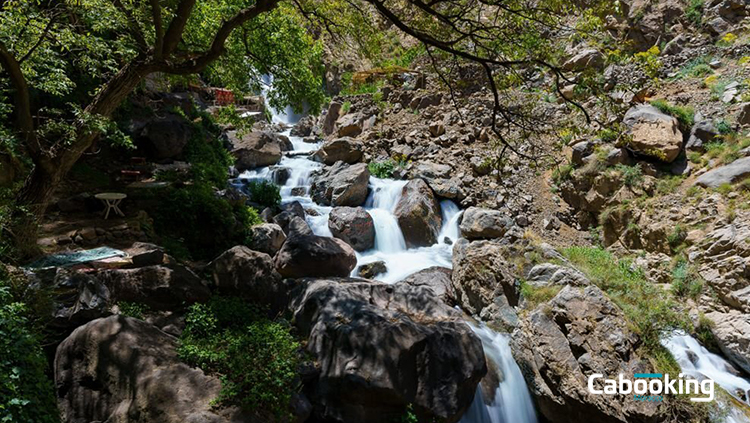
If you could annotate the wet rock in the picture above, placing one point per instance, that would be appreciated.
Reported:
(354, 226)
(307, 255)
(418, 214)
(437, 279)
(477, 223)
(123, 369)
(727, 174)
(653, 133)
(372, 270)
(161, 287)
(345, 149)
(266, 238)
(480, 274)
(433, 362)
(249, 274)
(342, 185)
(577, 333)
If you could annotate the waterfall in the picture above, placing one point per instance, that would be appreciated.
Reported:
(451, 216)
(286, 116)
(512, 403)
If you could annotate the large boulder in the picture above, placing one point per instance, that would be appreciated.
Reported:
(653, 133)
(120, 369)
(330, 118)
(437, 279)
(342, 185)
(732, 334)
(161, 287)
(383, 347)
(257, 149)
(701, 133)
(584, 59)
(307, 255)
(354, 226)
(304, 127)
(267, 238)
(480, 276)
(166, 137)
(727, 174)
(350, 125)
(546, 274)
(578, 333)
(345, 149)
(250, 274)
(418, 214)
(477, 223)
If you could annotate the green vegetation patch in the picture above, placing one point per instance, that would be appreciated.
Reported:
(256, 358)
(264, 193)
(684, 114)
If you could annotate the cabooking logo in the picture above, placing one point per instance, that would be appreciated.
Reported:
(653, 386)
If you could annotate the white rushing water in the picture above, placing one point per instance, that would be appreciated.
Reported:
(512, 402)
(696, 361)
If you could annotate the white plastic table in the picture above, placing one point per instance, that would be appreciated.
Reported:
(112, 200)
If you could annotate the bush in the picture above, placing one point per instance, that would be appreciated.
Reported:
(562, 173)
(694, 12)
(649, 61)
(677, 236)
(382, 169)
(209, 160)
(264, 193)
(256, 358)
(684, 114)
(685, 282)
(26, 393)
(631, 175)
(724, 127)
(648, 308)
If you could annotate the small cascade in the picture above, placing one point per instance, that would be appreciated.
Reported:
(696, 361)
(512, 402)
(384, 195)
(451, 215)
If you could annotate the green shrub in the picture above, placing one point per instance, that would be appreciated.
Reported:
(608, 135)
(265, 193)
(382, 169)
(685, 282)
(130, 309)
(228, 115)
(669, 184)
(684, 114)
(256, 358)
(724, 127)
(650, 310)
(536, 295)
(677, 236)
(209, 160)
(562, 173)
(631, 175)
(253, 217)
(26, 392)
(346, 106)
(694, 11)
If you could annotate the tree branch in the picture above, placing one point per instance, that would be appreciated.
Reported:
(159, 28)
(177, 26)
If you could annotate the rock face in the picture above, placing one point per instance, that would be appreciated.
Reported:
(732, 333)
(418, 214)
(727, 174)
(381, 347)
(587, 58)
(257, 149)
(78, 297)
(653, 133)
(350, 125)
(561, 343)
(342, 185)
(480, 275)
(479, 223)
(166, 137)
(331, 116)
(354, 226)
(162, 287)
(346, 149)
(701, 134)
(250, 274)
(120, 369)
(304, 254)
(437, 279)
(267, 238)
(546, 274)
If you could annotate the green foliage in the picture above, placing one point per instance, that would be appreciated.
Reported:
(649, 61)
(130, 309)
(253, 217)
(684, 114)
(686, 283)
(256, 358)
(650, 310)
(724, 127)
(408, 416)
(676, 236)
(631, 175)
(346, 106)
(26, 393)
(694, 11)
(704, 334)
(562, 173)
(668, 184)
(209, 160)
(382, 169)
(264, 193)
(608, 135)
(228, 115)
(536, 295)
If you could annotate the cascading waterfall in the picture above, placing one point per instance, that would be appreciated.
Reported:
(512, 401)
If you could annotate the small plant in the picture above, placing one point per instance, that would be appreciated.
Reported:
(253, 217)
(694, 12)
(382, 169)
(649, 61)
(130, 309)
(228, 115)
(408, 416)
(727, 40)
(685, 282)
(631, 175)
(536, 295)
(704, 333)
(724, 127)
(669, 184)
(608, 135)
(346, 106)
(677, 236)
(684, 114)
(724, 188)
(264, 193)
(562, 173)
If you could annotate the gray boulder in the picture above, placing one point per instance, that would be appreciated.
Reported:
(350, 125)
(307, 255)
(345, 149)
(382, 347)
(257, 149)
(653, 133)
(120, 369)
(166, 137)
(437, 279)
(732, 333)
(546, 274)
(480, 275)
(418, 214)
(477, 223)
(267, 238)
(727, 174)
(354, 226)
(702, 133)
(341, 185)
(584, 59)
(245, 273)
